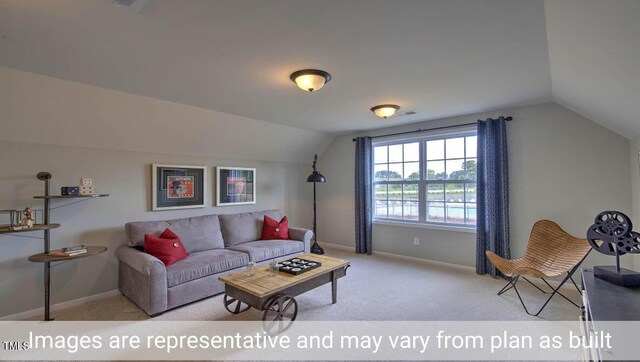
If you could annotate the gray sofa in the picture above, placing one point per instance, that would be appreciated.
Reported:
(217, 244)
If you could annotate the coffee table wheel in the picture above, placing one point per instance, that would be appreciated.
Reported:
(234, 306)
(279, 314)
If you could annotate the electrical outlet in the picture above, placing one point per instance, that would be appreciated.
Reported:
(416, 241)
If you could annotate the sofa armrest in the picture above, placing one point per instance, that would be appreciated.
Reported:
(300, 234)
(143, 279)
(142, 262)
(303, 235)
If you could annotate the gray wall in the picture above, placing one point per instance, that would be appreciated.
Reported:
(126, 176)
(563, 167)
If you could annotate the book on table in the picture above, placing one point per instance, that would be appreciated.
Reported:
(69, 251)
(73, 248)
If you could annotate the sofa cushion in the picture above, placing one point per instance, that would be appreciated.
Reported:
(274, 229)
(167, 247)
(204, 263)
(245, 227)
(268, 249)
(197, 233)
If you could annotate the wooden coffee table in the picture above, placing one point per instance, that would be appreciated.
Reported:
(275, 294)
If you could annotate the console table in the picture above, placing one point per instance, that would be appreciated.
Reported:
(604, 301)
(46, 227)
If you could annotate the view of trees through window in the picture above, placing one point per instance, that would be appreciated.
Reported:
(431, 180)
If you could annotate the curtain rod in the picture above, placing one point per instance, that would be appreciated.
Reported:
(439, 128)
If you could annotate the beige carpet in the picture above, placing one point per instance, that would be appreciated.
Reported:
(377, 287)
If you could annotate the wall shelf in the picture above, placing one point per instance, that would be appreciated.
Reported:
(45, 228)
(46, 258)
(36, 227)
(70, 196)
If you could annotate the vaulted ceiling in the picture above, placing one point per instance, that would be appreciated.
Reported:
(594, 50)
(437, 58)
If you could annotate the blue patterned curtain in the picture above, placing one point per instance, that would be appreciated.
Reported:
(492, 193)
(363, 190)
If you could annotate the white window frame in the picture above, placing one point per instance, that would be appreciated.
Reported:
(422, 221)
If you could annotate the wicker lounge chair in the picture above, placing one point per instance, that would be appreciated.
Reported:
(551, 252)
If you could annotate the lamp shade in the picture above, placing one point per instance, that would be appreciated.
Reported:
(310, 79)
(385, 110)
(316, 177)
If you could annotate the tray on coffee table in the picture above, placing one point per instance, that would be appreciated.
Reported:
(297, 266)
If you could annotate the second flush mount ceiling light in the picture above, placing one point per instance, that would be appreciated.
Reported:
(385, 110)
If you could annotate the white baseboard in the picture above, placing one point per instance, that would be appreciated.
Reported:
(56, 307)
(405, 257)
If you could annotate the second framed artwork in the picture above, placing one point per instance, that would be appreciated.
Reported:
(235, 186)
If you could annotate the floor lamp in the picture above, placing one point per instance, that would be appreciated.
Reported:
(315, 177)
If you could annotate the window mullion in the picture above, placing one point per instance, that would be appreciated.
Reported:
(388, 161)
(446, 177)
(402, 186)
(422, 185)
(464, 184)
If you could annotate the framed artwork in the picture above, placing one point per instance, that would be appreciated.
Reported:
(235, 186)
(177, 187)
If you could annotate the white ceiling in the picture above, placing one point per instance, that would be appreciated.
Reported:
(439, 58)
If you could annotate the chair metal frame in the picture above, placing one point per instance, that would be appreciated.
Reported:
(512, 281)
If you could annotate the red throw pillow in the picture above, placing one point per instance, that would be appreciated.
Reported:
(167, 247)
(271, 229)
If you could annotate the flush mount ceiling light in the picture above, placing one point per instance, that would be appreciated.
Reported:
(385, 110)
(310, 80)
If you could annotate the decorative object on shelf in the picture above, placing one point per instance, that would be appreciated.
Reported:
(612, 234)
(9, 218)
(310, 80)
(86, 186)
(86, 190)
(315, 177)
(177, 187)
(22, 220)
(385, 110)
(70, 191)
(26, 221)
(235, 186)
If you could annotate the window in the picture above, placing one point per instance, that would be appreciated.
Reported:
(430, 180)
